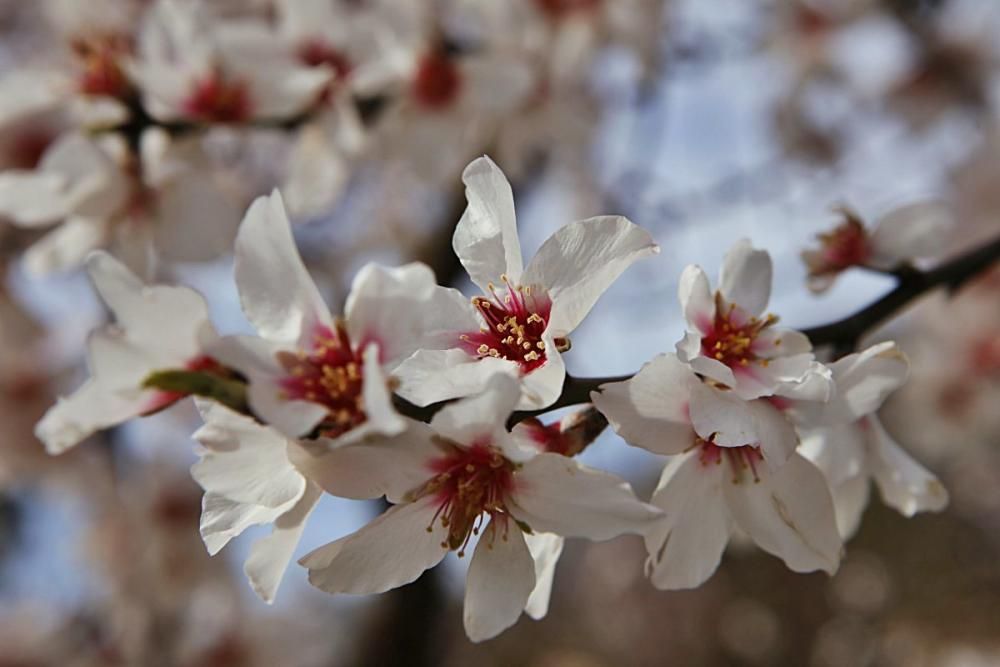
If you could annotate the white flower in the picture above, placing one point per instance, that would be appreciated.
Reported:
(309, 371)
(731, 341)
(475, 478)
(187, 71)
(733, 465)
(175, 208)
(901, 235)
(157, 328)
(851, 447)
(521, 326)
(249, 479)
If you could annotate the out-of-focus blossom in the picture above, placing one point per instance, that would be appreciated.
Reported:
(156, 328)
(478, 479)
(734, 465)
(521, 328)
(900, 236)
(732, 342)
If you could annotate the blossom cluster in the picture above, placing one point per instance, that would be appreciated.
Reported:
(153, 125)
(419, 395)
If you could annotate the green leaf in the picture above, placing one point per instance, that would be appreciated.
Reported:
(228, 391)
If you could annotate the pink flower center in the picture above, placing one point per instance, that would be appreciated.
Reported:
(102, 72)
(731, 337)
(846, 246)
(470, 486)
(318, 52)
(329, 373)
(514, 327)
(437, 82)
(213, 99)
(742, 460)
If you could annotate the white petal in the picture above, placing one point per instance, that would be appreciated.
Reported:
(277, 293)
(393, 467)
(66, 247)
(840, 451)
(33, 198)
(382, 418)
(580, 261)
(282, 92)
(686, 545)
(651, 409)
(864, 380)
(696, 299)
(790, 514)
(916, 230)
(481, 416)
(269, 556)
(389, 552)
(745, 278)
(850, 498)
(541, 387)
(735, 422)
(757, 379)
(244, 461)
(223, 519)
(429, 376)
(904, 484)
(556, 494)
(486, 237)
(713, 369)
(89, 409)
(545, 550)
(403, 309)
(500, 580)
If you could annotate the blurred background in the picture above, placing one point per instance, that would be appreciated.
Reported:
(704, 122)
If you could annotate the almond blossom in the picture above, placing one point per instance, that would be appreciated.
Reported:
(731, 341)
(851, 447)
(156, 328)
(733, 465)
(309, 371)
(521, 325)
(899, 236)
(478, 479)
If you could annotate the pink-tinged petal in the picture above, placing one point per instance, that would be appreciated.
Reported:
(89, 409)
(430, 376)
(697, 302)
(500, 580)
(688, 349)
(404, 310)
(745, 278)
(269, 556)
(243, 461)
(486, 237)
(580, 261)
(790, 514)
(759, 379)
(278, 296)
(389, 552)
(651, 409)
(392, 467)
(686, 545)
(545, 549)
(480, 417)
(864, 380)
(555, 494)
(850, 498)
(903, 483)
(542, 386)
(916, 230)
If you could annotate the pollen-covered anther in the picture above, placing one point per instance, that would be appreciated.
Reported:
(331, 373)
(515, 320)
(471, 486)
(732, 339)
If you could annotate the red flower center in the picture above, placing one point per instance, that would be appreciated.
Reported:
(318, 52)
(437, 82)
(213, 99)
(846, 246)
(742, 460)
(331, 374)
(470, 486)
(557, 9)
(732, 336)
(102, 72)
(514, 327)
